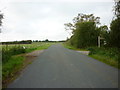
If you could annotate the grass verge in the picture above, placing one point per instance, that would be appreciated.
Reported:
(18, 61)
(74, 48)
(106, 60)
(107, 55)
(38, 46)
(11, 67)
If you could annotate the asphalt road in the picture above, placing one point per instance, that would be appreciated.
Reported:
(58, 67)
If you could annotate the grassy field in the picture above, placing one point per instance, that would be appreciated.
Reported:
(12, 60)
(10, 50)
(107, 55)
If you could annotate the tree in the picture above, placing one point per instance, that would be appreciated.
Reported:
(115, 27)
(117, 8)
(36, 40)
(115, 33)
(81, 18)
(46, 40)
(84, 30)
(1, 17)
(104, 34)
(85, 18)
(85, 35)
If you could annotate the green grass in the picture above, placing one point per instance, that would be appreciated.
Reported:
(13, 64)
(15, 49)
(45, 46)
(73, 48)
(36, 46)
(106, 59)
(8, 52)
(12, 61)
(106, 55)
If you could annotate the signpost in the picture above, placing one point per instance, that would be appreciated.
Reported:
(99, 41)
(99, 38)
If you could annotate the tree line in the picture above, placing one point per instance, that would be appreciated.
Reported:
(29, 42)
(86, 29)
(18, 42)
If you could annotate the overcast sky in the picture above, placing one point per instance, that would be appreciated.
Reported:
(44, 19)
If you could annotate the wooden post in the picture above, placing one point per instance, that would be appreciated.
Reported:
(99, 41)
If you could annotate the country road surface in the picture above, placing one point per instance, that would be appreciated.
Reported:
(58, 67)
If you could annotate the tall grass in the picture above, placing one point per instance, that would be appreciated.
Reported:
(107, 55)
(8, 52)
(13, 64)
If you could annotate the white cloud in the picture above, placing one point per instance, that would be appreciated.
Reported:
(58, 0)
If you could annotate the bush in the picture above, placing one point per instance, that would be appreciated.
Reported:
(111, 52)
(92, 51)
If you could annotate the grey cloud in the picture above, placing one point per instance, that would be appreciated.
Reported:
(40, 20)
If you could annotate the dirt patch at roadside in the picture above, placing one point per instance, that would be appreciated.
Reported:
(34, 53)
(84, 52)
(29, 58)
